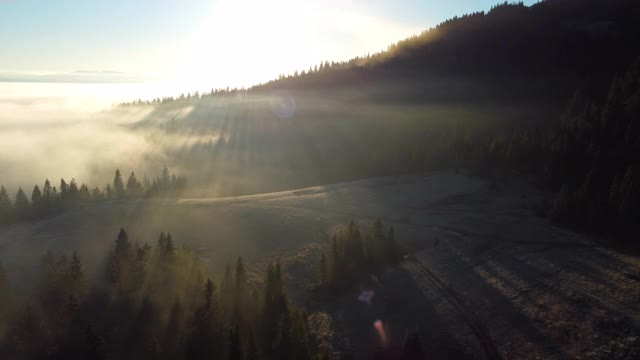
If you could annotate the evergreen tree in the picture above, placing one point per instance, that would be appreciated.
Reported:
(97, 194)
(77, 277)
(412, 348)
(234, 349)
(85, 194)
(170, 247)
(64, 192)
(6, 207)
(252, 347)
(227, 291)
(122, 244)
(119, 264)
(74, 193)
(134, 188)
(118, 186)
(93, 345)
(202, 341)
(241, 280)
(336, 262)
(323, 270)
(47, 195)
(108, 192)
(165, 180)
(36, 199)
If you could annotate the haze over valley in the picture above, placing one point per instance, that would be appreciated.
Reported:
(319, 180)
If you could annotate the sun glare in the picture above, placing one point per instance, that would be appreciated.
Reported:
(248, 41)
(244, 42)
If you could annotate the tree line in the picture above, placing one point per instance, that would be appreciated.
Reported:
(590, 160)
(50, 199)
(155, 303)
(354, 256)
(537, 45)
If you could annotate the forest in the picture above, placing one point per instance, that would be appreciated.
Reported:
(578, 57)
(52, 200)
(157, 302)
(501, 149)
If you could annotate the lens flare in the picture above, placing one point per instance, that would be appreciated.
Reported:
(382, 333)
(366, 296)
(283, 106)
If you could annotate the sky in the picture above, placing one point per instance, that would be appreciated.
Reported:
(201, 42)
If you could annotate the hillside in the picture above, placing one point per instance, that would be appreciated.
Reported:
(486, 245)
(510, 53)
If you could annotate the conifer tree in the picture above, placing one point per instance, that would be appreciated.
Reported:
(36, 197)
(134, 188)
(241, 279)
(64, 192)
(118, 186)
(74, 192)
(76, 275)
(234, 349)
(6, 207)
(323, 270)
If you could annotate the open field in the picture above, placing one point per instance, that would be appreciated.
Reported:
(483, 276)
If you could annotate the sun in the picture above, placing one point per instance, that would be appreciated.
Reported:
(244, 42)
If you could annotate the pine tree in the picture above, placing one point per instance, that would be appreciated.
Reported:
(85, 194)
(202, 341)
(76, 275)
(36, 196)
(252, 347)
(122, 244)
(74, 193)
(234, 349)
(134, 189)
(47, 194)
(165, 180)
(118, 185)
(170, 247)
(97, 194)
(241, 280)
(119, 263)
(323, 270)
(6, 207)
(336, 262)
(108, 192)
(227, 292)
(64, 192)
(5, 290)
(93, 345)
(412, 348)
(169, 340)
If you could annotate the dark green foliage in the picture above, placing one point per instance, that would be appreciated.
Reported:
(52, 200)
(234, 349)
(93, 345)
(6, 207)
(22, 206)
(134, 188)
(156, 306)
(594, 158)
(118, 186)
(517, 53)
(353, 258)
(412, 348)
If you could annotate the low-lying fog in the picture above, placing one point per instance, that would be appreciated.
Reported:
(52, 130)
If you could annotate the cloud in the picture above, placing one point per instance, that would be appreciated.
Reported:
(82, 76)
